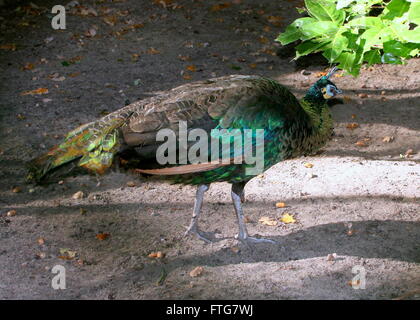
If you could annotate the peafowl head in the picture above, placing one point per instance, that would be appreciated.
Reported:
(322, 90)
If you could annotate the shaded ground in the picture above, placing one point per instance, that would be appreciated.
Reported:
(358, 202)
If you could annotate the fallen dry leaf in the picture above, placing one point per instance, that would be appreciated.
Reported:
(363, 95)
(91, 32)
(187, 76)
(347, 99)
(331, 257)
(10, 47)
(361, 143)
(111, 20)
(74, 74)
(131, 184)
(67, 254)
(163, 3)
(280, 205)
(40, 255)
(62, 78)
(191, 68)
(308, 165)
(268, 51)
(388, 139)
(75, 59)
(36, 91)
(235, 249)
(287, 218)
(353, 283)
(135, 57)
(16, 190)
(64, 257)
(184, 58)
(153, 51)
(352, 126)
(198, 271)
(102, 236)
(268, 221)
(136, 26)
(220, 6)
(78, 195)
(409, 153)
(158, 255)
(252, 65)
(275, 20)
(41, 241)
(320, 74)
(263, 39)
(28, 66)
(11, 213)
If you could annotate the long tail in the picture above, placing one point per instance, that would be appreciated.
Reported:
(93, 145)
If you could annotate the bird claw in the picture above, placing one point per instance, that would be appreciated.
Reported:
(198, 234)
(248, 240)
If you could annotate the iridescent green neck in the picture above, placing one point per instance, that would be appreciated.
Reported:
(321, 123)
(314, 96)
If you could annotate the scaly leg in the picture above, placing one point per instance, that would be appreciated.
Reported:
(237, 196)
(193, 228)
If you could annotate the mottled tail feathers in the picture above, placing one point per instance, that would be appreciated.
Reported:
(91, 146)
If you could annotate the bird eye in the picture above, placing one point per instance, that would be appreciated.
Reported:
(332, 90)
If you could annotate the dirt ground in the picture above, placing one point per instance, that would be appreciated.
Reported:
(359, 202)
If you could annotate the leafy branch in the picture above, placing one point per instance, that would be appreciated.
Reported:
(350, 32)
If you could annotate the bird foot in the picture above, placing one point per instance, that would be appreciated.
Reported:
(248, 240)
(197, 233)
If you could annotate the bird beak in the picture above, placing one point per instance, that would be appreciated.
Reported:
(337, 91)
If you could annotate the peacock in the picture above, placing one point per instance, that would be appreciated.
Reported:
(255, 109)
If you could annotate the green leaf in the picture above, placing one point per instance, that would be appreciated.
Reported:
(322, 29)
(390, 58)
(308, 47)
(360, 51)
(293, 32)
(372, 57)
(414, 13)
(347, 62)
(325, 11)
(352, 40)
(336, 47)
(366, 22)
(301, 10)
(396, 8)
(375, 37)
(399, 49)
(402, 32)
(343, 3)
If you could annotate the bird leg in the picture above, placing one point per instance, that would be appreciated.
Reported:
(193, 228)
(237, 196)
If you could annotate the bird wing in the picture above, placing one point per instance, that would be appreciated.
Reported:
(233, 102)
